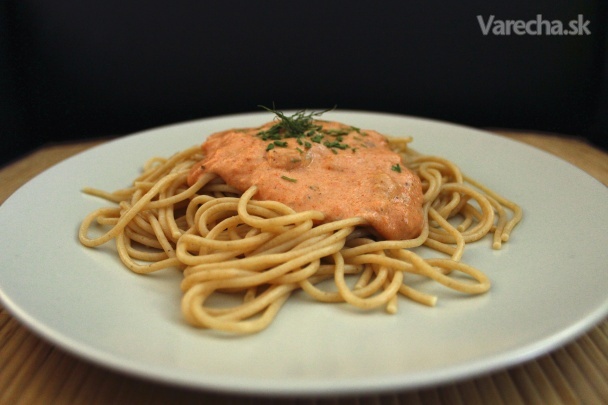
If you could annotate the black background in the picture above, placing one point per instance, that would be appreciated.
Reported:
(72, 70)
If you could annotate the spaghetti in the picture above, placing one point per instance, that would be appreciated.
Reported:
(229, 244)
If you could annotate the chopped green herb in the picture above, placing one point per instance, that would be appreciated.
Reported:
(337, 132)
(270, 147)
(396, 168)
(335, 144)
(303, 128)
(289, 179)
(317, 138)
(292, 127)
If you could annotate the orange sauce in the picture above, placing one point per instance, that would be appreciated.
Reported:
(364, 179)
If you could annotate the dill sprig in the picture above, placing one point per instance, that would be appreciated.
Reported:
(298, 125)
(302, 127)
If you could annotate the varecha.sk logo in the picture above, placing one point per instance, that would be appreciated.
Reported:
(537, 26)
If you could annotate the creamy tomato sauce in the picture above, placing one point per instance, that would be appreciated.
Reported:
(346, 173)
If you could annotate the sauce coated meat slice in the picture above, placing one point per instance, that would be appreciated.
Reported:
(352, 174)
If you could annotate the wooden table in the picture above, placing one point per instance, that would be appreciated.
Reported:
(33, 371)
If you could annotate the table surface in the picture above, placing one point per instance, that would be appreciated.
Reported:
(33, 371)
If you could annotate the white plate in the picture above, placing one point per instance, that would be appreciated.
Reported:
(549, 281)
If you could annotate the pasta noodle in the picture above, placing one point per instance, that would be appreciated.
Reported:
(228, 244)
